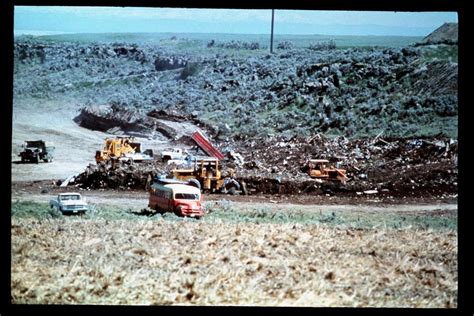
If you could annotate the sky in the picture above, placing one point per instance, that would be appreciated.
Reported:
(42, 20)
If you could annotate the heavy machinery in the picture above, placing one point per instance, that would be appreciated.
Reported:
(36, 150)
(208, 174)
(320, 169)
(122, 149)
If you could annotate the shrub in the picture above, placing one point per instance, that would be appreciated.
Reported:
(323, 45)
(191, 69)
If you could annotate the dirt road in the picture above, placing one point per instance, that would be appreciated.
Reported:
(75, 146)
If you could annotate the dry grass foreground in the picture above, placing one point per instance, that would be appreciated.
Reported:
(197, 263)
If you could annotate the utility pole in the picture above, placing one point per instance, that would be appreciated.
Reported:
(271, 39)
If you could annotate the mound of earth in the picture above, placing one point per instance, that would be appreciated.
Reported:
(445, 34)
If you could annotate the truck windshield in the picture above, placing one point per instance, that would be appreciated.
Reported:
(186, 196)
(69, 197)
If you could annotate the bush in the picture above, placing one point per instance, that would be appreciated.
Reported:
(191, 69)
(323, 45)
(285, 45)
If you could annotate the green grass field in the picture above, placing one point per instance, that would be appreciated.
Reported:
(227, 212)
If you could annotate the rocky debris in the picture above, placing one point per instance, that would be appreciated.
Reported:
(445, 34)
(120, 176)
(169, 63)
(397, 166)
(25, 52)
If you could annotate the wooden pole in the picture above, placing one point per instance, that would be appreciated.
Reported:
(271, 39)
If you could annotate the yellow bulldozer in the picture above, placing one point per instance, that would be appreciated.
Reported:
(320, 169)
(208, 176)
(122, 149)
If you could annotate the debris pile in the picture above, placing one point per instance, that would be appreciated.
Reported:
(398, 166)
(120, 176)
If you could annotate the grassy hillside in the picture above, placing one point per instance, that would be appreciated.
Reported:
(299, 41)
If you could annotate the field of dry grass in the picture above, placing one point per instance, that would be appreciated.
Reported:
(83, 261)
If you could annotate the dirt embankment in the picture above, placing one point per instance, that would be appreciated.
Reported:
(445, 34)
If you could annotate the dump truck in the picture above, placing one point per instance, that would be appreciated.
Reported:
(208, 174)
(122, 149)
(320, 169)
(36, 150)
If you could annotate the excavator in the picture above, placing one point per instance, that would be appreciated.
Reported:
(122, 149)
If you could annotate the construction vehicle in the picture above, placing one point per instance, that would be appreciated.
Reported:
(208, 174)
(36, 150)
(320, 169)
(122, 149)
(206, 145)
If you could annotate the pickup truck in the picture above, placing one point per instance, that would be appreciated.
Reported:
(69, 203)
(174, 154)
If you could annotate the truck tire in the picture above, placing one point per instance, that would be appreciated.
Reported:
(178, 212)
(166, 158)
(232, 191)
(36, 159)
(243, 185)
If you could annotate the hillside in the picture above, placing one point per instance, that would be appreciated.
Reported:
(445, 34)
(237, 89)
(389, 115)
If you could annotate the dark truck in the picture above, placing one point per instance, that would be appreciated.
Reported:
(36, 150)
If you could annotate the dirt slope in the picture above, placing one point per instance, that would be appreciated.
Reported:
(446, 33)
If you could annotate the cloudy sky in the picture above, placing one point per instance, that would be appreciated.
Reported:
(53, 20)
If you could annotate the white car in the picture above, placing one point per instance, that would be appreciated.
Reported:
(69, 203)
